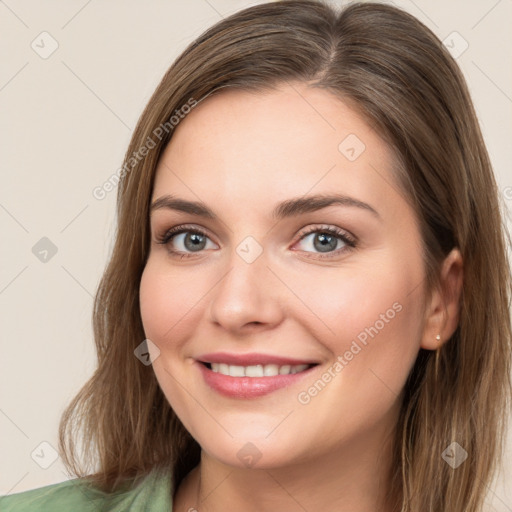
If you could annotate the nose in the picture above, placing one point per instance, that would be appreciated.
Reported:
(247, 297)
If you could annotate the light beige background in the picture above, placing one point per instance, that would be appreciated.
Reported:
(66, 121)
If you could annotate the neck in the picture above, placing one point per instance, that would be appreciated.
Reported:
(354, 478)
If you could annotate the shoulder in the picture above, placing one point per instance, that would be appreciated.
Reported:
(71, 493)
(152, 494)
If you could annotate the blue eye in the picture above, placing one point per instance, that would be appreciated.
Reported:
(193, 240)
(321, 242)
(327, 240)
(184, 241)
(188, 240)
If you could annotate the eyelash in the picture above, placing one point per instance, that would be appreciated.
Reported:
(350, 241)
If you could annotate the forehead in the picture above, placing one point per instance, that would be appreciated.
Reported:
(287, 142)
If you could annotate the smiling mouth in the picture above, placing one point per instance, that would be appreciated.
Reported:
(237, 381)
(258, 370)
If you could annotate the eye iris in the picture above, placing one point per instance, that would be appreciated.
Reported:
(325, 247)
(197, 241)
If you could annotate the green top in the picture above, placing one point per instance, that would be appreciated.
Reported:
(152, 494)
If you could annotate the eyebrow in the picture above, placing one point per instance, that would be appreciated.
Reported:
(288, 208)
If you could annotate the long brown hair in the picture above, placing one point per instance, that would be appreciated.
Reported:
(397, 74)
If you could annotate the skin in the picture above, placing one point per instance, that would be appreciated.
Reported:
(240, 154)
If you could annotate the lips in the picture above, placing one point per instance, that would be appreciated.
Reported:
(278, 372)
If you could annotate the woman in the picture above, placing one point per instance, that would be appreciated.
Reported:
(341, 340)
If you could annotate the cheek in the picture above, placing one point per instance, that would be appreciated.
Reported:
(371, 319)
(169, 301)
(373, 349)
(379, 349)
(349, 301)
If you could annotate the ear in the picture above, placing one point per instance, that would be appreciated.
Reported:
(442, 313)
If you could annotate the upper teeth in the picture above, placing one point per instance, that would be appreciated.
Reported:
(268, 370)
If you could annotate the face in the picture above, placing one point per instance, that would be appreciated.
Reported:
(301, 256)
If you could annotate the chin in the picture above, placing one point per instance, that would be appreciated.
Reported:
(250, 451)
